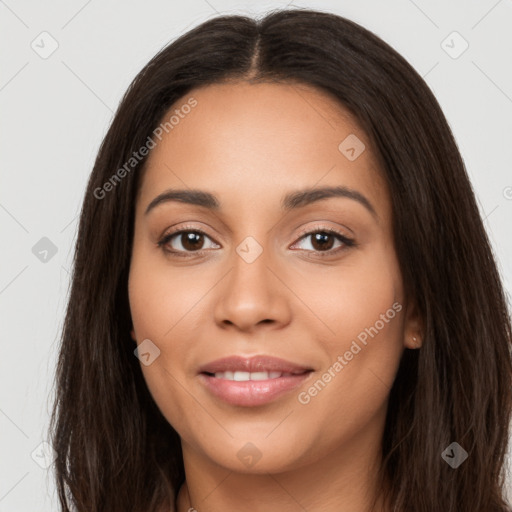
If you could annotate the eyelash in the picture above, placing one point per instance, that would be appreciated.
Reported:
(347, 242)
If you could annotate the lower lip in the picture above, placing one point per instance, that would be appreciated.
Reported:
(251, 393)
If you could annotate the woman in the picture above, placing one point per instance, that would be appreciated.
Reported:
(283, 293)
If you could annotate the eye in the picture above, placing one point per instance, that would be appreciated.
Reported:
(323, 240)
(186, 240)
(189, 240)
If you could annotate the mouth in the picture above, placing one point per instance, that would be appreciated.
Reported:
(241, 376)
(252, 389)
(252, 381)
(259, 367)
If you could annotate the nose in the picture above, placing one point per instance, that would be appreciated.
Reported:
(253, 295)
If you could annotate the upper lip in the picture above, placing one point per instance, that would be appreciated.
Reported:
(259, 363)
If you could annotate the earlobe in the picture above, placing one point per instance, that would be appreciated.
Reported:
(413, 337)
(132, 332)
(414, 342)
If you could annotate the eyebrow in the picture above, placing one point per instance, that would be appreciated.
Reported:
(291, 201)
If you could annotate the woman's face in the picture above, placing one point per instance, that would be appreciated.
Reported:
(266, 267)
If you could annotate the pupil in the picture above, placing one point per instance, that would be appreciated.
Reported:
(191, 240)
(321, 238)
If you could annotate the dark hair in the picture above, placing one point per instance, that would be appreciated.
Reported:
(114, 449)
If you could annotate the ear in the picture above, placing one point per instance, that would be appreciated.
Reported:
(134, 338)
(413, 327)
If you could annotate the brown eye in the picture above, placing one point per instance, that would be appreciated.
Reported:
(184, 241)
(324, 240)
(191, 241)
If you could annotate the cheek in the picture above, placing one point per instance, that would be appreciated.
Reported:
(168, 309)
(159, 304)
(363, 345)
(160, 296)
(347, 300)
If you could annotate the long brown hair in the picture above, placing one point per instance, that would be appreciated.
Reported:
(115, 450)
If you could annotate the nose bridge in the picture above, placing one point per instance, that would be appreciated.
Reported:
(250, 262)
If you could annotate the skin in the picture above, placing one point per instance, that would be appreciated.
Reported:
(249, 145)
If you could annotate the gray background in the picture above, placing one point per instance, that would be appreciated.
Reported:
(55, 111)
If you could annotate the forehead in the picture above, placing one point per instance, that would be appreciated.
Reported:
(247, 142)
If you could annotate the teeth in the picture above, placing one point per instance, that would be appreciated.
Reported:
(256, 375)
(245, 376)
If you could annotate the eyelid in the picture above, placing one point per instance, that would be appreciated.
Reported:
(168, 234)
(347, 241)
(322, 227)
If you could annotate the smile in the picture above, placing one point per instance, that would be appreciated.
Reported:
(252, 389)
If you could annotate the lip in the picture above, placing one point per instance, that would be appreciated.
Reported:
(260, 363)
(252, 393)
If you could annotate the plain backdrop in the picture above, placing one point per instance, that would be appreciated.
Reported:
(64, 67)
